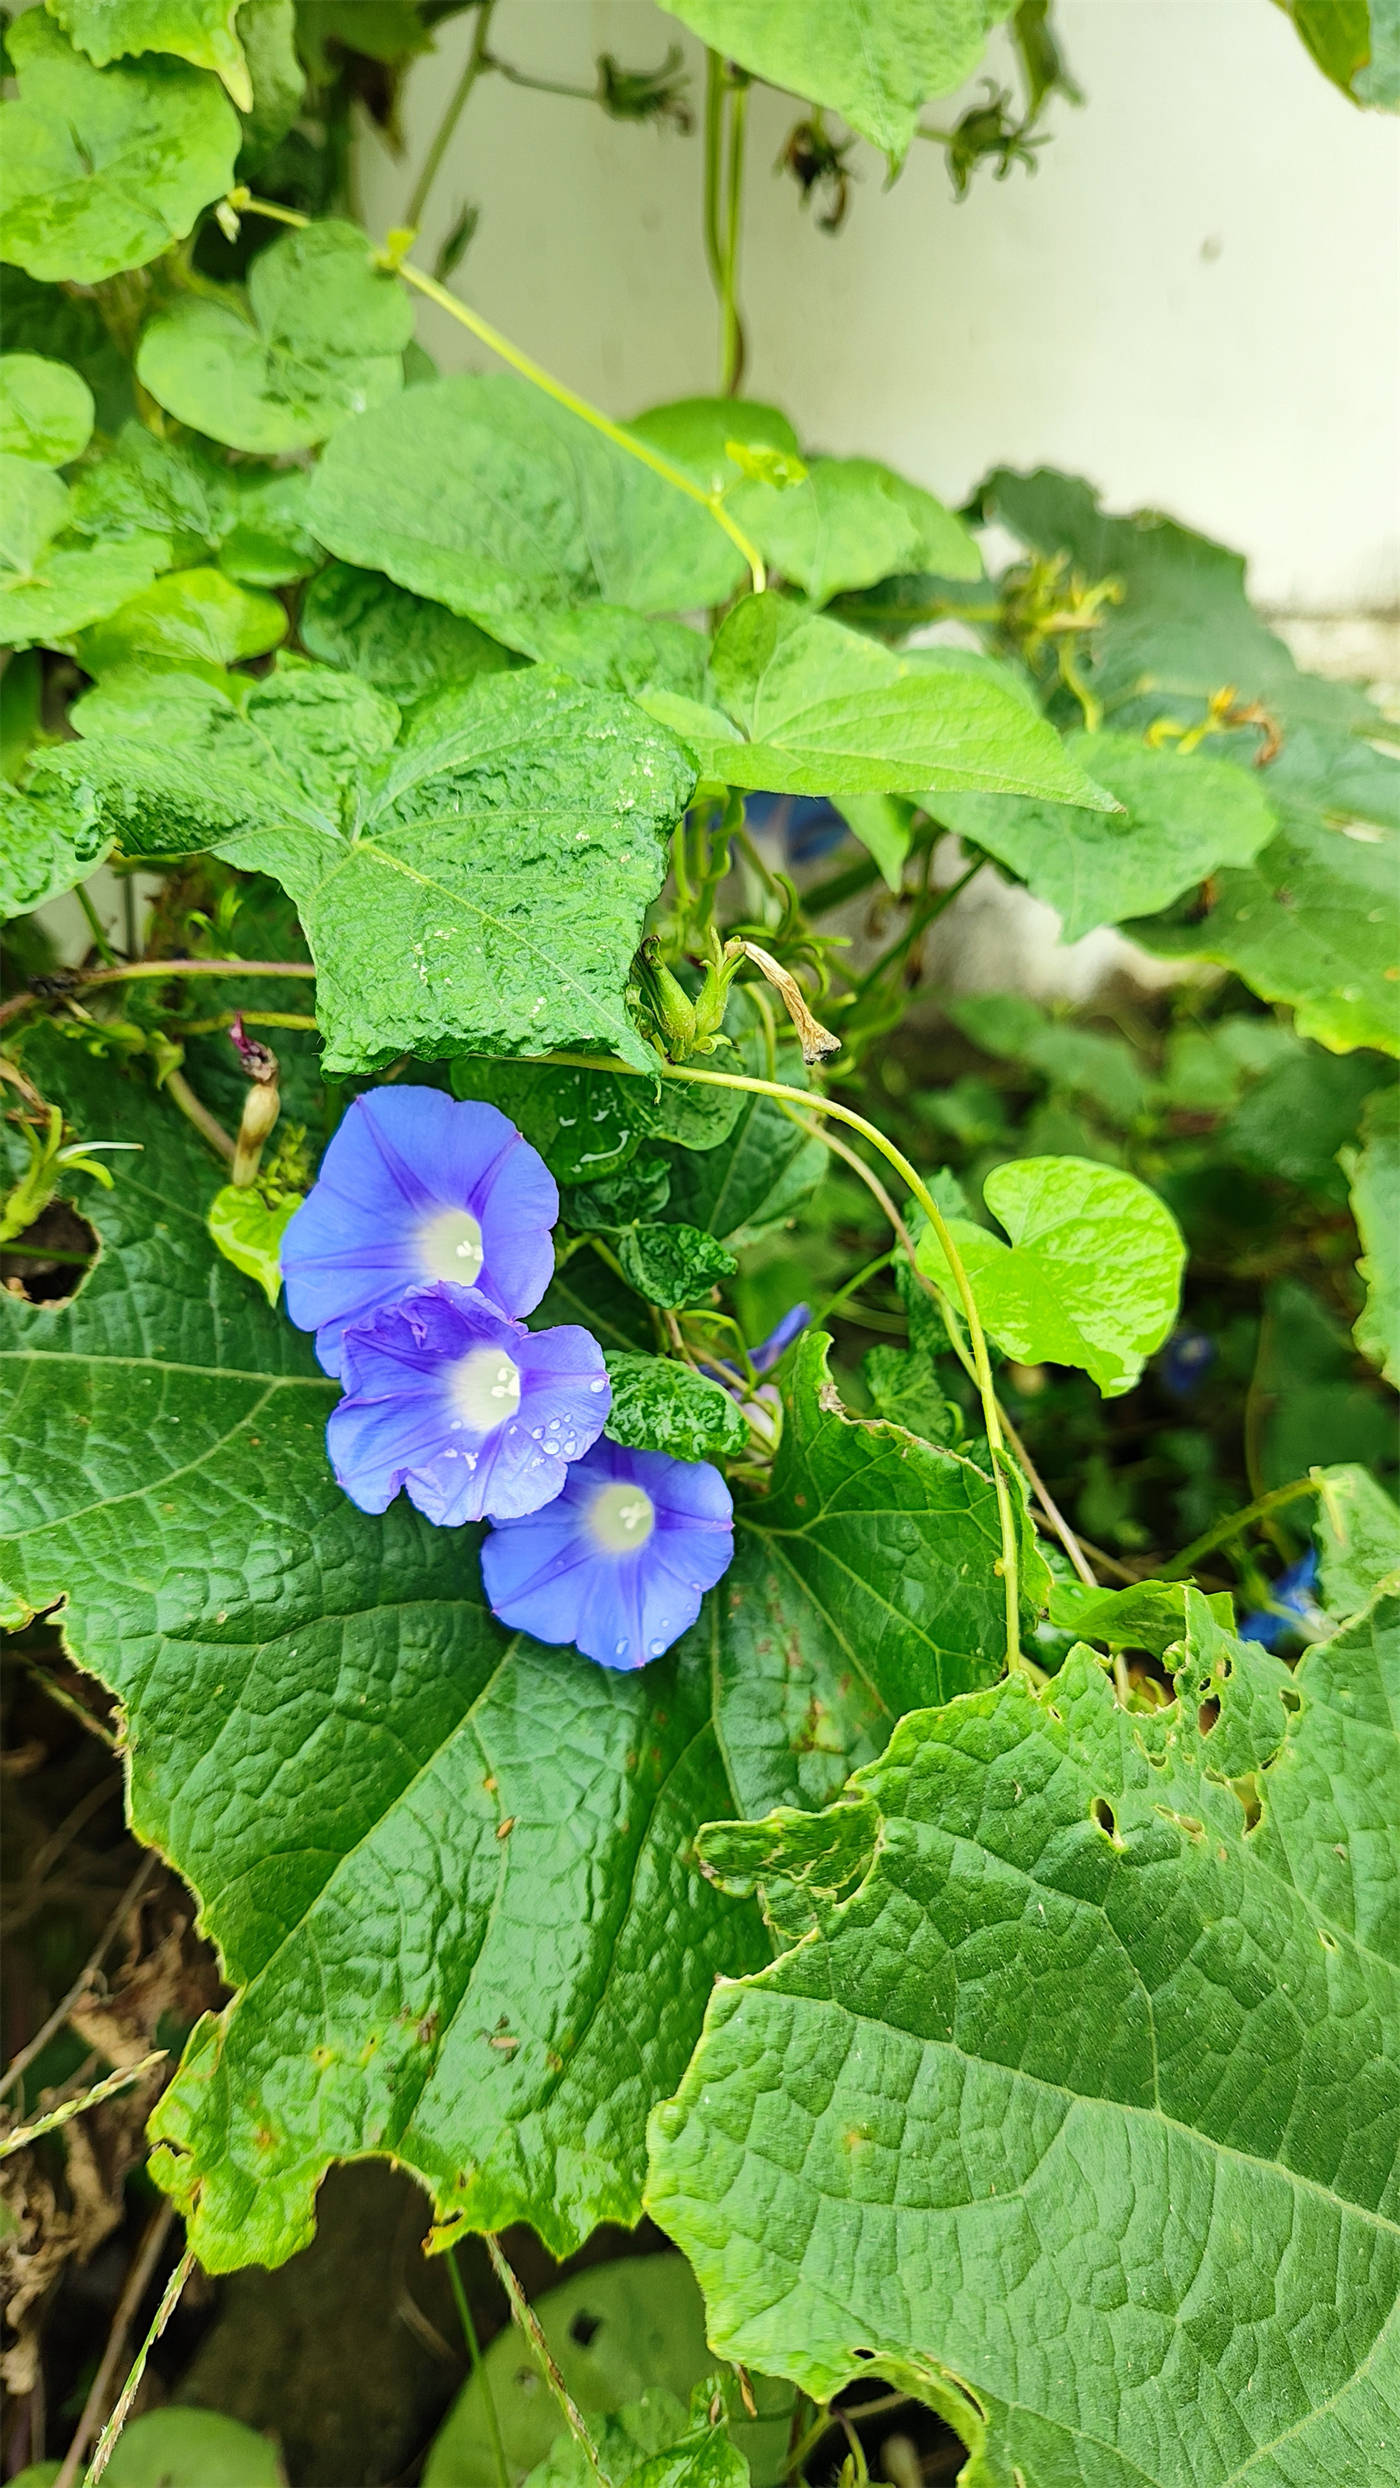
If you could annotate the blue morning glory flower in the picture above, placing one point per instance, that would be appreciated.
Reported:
(1291, 1604)
(765, 1356)
(417, 1187)
(619, 1562)
(470, 1412)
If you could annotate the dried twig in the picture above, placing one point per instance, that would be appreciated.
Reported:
(121, 2080)
(93, 1963)
(134, 2288)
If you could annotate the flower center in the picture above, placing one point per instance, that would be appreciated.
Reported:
(621, 1518)
(449, 1246)
(485, 1389)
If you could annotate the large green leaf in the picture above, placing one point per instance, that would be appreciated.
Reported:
(199, 31)
(102, 169)
(450, 1873)
(865, 1582)
(873, 61)
(1079, 2117)
(329, 1734)
(816, 709)
(46, 410)
(476, 882)
(852, 522)
(485, 496)
(322, 338)
(50, 587)
(1091, 1275)
(1312, 924)
(1374, 1172)
(586, 1124)
(1181, 820)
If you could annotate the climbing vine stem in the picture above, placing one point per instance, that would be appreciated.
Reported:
(811, 1103)
(244, 204)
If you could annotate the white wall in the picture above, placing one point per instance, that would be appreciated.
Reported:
(1196, 300)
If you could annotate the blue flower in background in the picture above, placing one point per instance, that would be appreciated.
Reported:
(417, 1187)
(619, 1562)
(765, 1356)
(809, 825)
(1292, 1594)
(1186, 1360)
(474, 1415)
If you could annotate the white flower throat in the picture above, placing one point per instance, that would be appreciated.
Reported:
(485, 1389)
(449, 1246)
(621, 1518)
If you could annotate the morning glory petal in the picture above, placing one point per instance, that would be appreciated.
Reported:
(619, 1562)
(470, 1414)
(418, 1188)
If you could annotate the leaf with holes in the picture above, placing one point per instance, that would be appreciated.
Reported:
(486, 1947)
(1080, 2113)
(1091, 1275)
(102, 169)
(429, 940)
(173, 1487)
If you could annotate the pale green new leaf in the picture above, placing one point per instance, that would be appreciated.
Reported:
(322, 338)
(249, 1234)
(102, 169)
(649, 2444)
(476, 882)
(659, 1404)
(696, 432)
(46, 845)
(199, 31)
(485, 496)
(1181, 820)
(1374, 1172)
(1092, 1273)
(818, 710)
(852, 522)
(48, 588)
(873, 61)
(1078, 2119)
(46, 410)
(1149, 1616)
